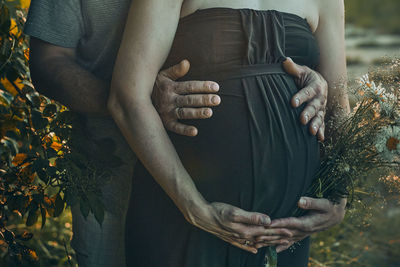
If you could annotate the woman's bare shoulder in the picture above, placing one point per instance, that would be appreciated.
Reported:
(331, 8)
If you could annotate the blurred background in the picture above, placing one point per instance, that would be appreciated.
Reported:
(370, 233)
(372, 34)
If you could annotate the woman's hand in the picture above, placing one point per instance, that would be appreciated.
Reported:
(322, 215)
(236, 226)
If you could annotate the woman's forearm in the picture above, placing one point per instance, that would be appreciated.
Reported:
(144, 131)
(148, 36)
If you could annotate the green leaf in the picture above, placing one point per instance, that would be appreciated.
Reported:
(40, 164)
(271, 256)
(34, 100)
(38, 121)
(6, 97)
(65, 117)
(49, 110)
(39, 198)
(52, 171)
(8, 236)
(96, 207)
(51, 153)
(11, 145)
(59, 205)
(5, 21)
(43, 176)
(43, 213)
(32, 216)
(25, 236)
(12, 135)
(12, 75)
(70, 198)
(84, 207)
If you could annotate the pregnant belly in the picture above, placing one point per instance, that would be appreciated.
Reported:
(253, 152)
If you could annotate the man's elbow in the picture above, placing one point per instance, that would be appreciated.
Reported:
(37, 77)
(45, 62)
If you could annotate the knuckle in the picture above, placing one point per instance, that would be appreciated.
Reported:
(208, 99)
(233, 214)
(179, 101)
(191, 87)
(314, 107)
(189, 100)
(172, 127)
(180, 112)
(254, 218)
(308, 228)
(167, 87)
(318, 89)
(246, 234)
(322, 101)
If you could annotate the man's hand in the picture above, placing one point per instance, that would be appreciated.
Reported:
(322, 215)
(314, 91)
(238, 227)
(183, 100)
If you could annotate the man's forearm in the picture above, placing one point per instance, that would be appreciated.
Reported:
(63, 80)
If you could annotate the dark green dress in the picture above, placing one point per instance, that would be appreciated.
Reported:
(253, 153)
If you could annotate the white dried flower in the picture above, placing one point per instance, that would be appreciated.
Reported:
(388, 142)
(387, 101)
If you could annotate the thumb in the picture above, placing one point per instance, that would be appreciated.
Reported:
(292, 68)
(177, 71)
(320, 204)
(252, 218)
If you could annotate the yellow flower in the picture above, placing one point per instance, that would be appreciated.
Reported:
(25, 3)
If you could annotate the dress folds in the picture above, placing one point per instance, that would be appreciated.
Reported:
(253, 153)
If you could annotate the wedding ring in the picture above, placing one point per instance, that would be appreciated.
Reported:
(247, 242)
(178, 112)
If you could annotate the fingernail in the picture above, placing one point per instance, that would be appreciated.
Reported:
(215, 100)
(193, 132)
(296, 101)
(306, 118)
(315, 128)
(207, 112)
(265, 220)
(302, 202)
(215, 86)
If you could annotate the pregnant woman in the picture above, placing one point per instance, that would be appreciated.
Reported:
(262, 159)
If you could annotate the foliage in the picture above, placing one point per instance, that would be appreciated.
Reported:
(379, 14)
(41, 172)
(367, 236)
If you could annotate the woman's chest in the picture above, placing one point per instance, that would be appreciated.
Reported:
(307, 9)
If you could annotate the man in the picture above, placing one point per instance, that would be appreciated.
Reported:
(73, 48)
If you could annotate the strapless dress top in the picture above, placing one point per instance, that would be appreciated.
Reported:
(226, 38)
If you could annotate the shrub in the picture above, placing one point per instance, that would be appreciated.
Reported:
(40, 171)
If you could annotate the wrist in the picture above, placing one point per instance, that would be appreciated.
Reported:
(194, 209)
